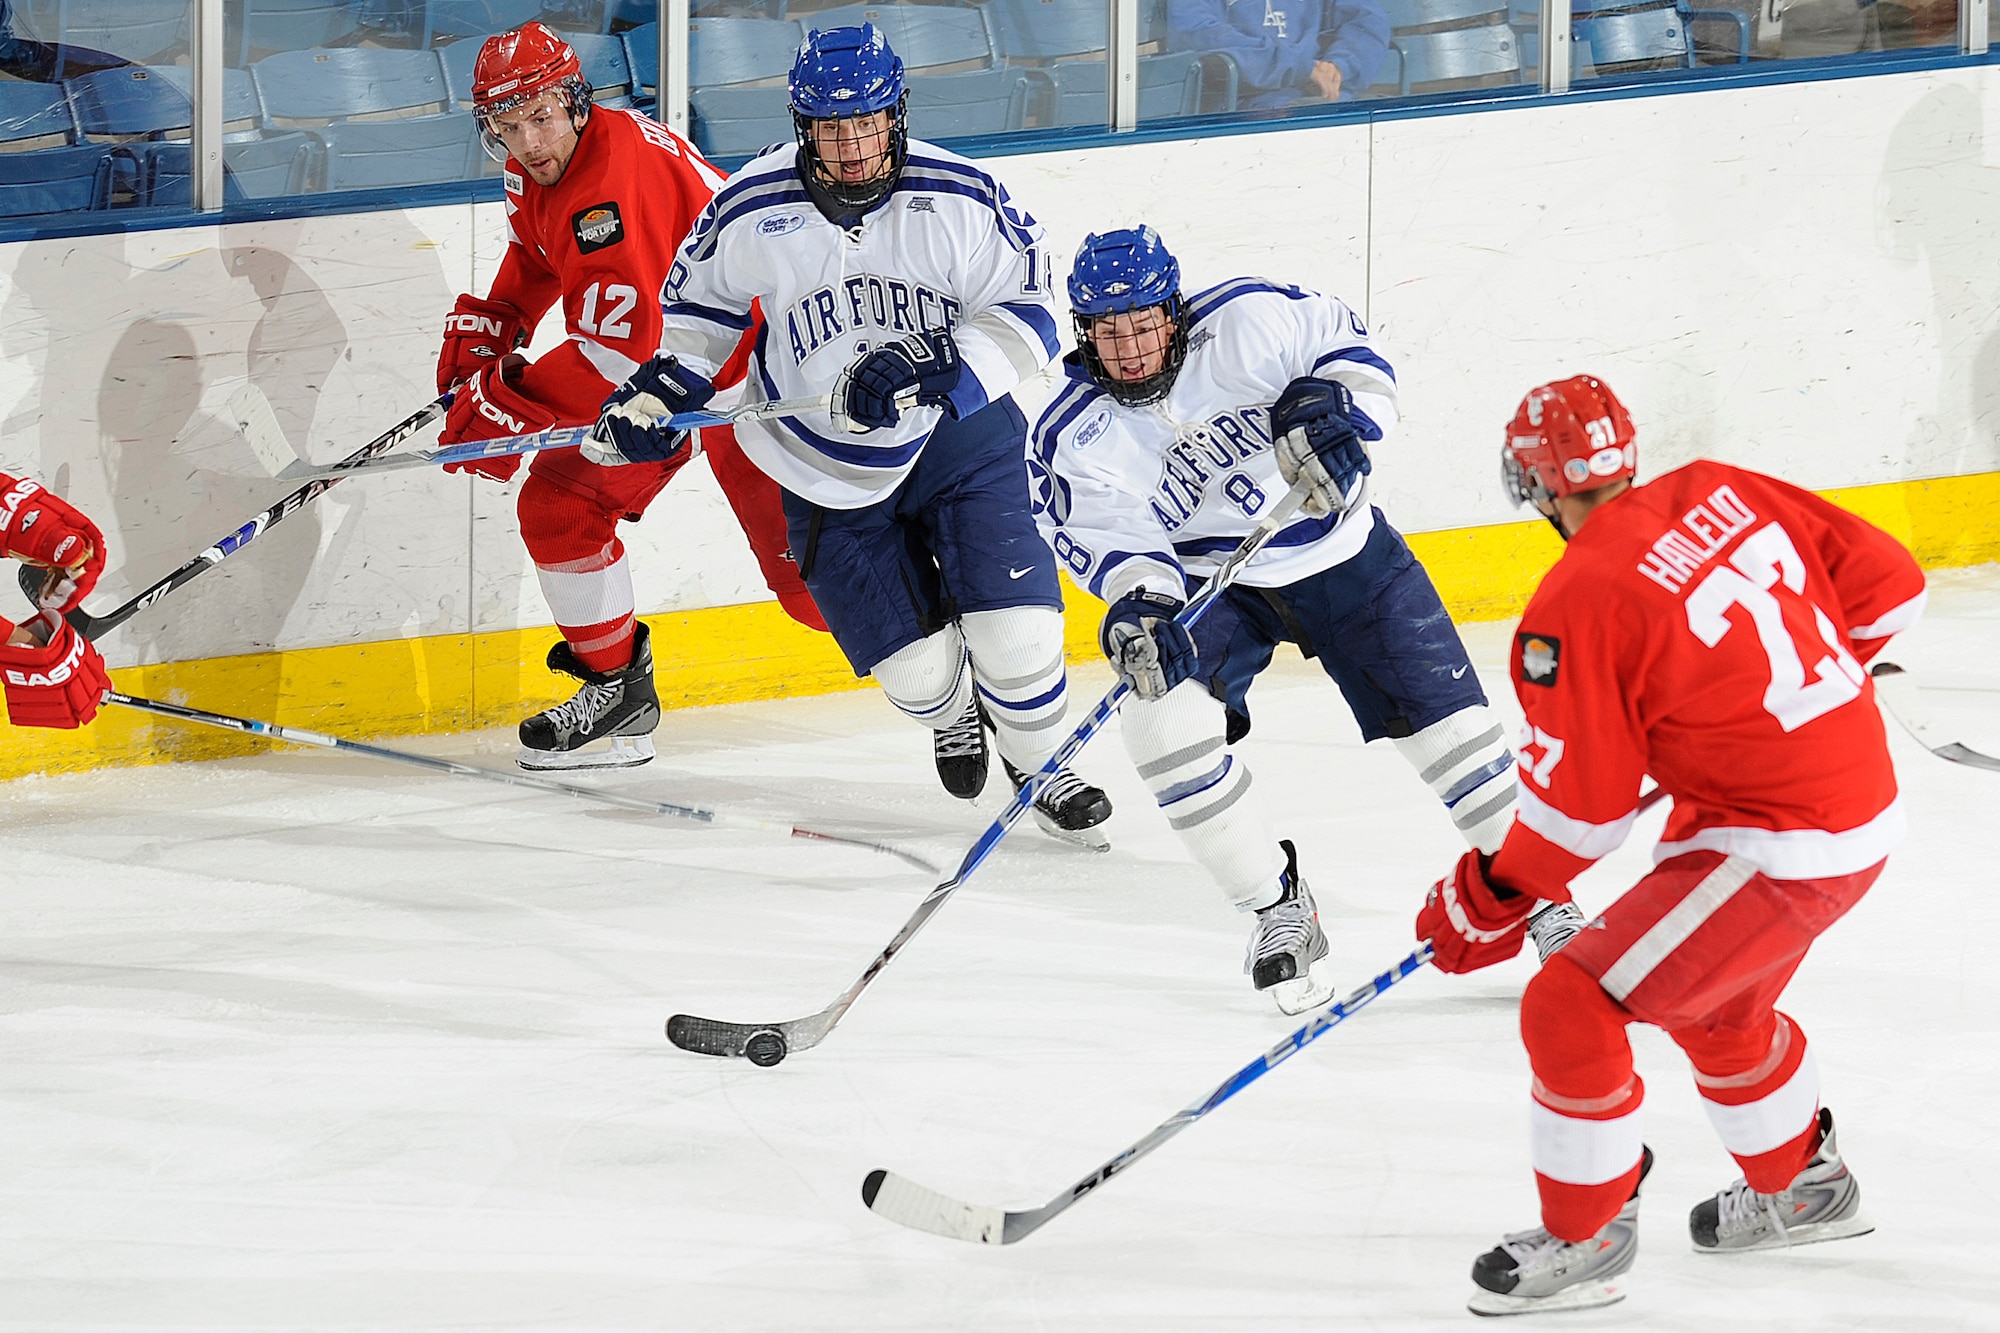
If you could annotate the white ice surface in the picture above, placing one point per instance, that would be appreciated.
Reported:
(308, 1042)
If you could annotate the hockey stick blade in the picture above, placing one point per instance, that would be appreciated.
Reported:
(1897, 690)
(912, 1205)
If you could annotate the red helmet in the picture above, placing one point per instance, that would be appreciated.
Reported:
(516, 67)
(1573, 435)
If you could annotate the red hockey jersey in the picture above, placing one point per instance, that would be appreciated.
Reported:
(601, 240)
(1709, 628)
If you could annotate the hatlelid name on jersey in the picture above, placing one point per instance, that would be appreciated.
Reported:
(865, 301)
(1201, 453)
(1677, 555)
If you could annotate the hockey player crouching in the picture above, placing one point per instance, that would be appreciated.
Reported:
(1152, 464)
(52, 676)
(899, 279)
(598, 200)
(1708, 628)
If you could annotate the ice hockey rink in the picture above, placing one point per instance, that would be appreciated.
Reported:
(304, 1041)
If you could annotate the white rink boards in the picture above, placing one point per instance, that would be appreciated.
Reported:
(303, 1042)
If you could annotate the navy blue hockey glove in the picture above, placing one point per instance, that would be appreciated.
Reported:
(1148, 646)
(1314, 424)
(872, 393)
(625, 430)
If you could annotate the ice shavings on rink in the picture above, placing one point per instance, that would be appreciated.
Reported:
(305, 1042)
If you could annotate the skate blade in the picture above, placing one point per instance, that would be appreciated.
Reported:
(1303, 994)
(1090, 839)
(620, 752)
(1858, 1225)
(1582, 1296)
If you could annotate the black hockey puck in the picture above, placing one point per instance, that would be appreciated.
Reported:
(765, 1047)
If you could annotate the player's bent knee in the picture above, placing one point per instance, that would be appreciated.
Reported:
(1017, 656)
(563, 530)
(1464, 759)
(928, 679)
(1574, 1031)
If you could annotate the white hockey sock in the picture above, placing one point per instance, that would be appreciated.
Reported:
(1466, 761)
(1017, 656)
(1176, 743)
(930, 680)
(587, 596)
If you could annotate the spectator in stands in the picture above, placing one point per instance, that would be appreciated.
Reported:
(1287, 51)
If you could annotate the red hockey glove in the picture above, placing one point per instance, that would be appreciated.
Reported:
(57, 684)
(1469, 924)
(488, 408)
(39, 527)
(476, 332)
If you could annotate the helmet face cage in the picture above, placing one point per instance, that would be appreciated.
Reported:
(843, 74)
(1120, 273)
(821, 176)
(575, 91)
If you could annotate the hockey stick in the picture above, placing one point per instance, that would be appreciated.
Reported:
(562, 437)
(90, 627)
(912, 1205)
(1897, 690)
(299, 736)
(768, 1043)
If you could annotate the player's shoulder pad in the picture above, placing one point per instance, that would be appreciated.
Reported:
(768, 181)
(1209, 303)
(1077, 407)
(930, 170)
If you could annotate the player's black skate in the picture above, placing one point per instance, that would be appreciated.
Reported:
(607, 724)
(1286, 957)
(1529, 1272)
(1821, 1203)
(1067, 807)
(961, 753)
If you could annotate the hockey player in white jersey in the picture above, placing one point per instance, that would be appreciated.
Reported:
(898, 279)
(1178, 423)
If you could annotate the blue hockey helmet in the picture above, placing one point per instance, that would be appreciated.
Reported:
(1120, 273)
(839, 74)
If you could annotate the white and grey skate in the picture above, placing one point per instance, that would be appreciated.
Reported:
(1821, 1203)
(1530, 1272)
(961, 754)
(1554, 926)
(607, 724)
(1067, 808)
(1287, 953)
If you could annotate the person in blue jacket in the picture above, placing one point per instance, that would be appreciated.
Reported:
(1287, 51)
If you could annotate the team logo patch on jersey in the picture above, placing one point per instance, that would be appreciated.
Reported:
(1091, 429)
(782, 225)
(1540, 657)
(922, 203)
(512, 181)
(597, 228)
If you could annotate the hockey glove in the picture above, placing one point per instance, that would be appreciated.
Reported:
(1314, 424)
(1470, 923)
(1148, 646)
(490, 408)
(39, 527)
(872, 393)
(476, 332)
(58, 684)
(627, 429)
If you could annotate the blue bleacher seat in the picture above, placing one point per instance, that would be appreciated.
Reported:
(1035, 31)
(265, 168)
(153, 100)
(54, 180)
(1169, 85)
(736, 121)
(1455, 57)
(33, 116)
(445, 20)
(738, 50)
(925, 36)
(138, 30)
(381, 115)
(1422, 13)
(981, 101)
(294, 25)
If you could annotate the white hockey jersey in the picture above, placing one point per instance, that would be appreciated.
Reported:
(1147, 495)
(946, 250)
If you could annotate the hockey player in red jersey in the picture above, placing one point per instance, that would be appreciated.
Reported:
(52, 676)
(598, 201)
(1708, 628)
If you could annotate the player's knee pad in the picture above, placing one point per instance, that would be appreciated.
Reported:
(563, 530)
(930, 679)
(1575, 1033)
(1017, 658)
(1465, 760)
(1176, 743)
